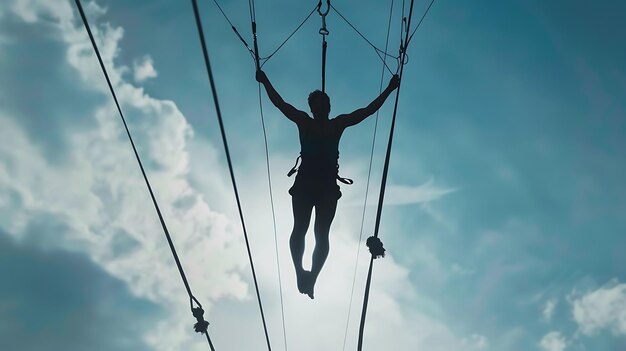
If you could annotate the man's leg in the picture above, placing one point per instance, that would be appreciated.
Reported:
(302, 208)
(324, 214)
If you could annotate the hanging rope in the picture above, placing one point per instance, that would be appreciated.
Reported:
(367, 184)
(269, 182)
(201, 325)
(324, 32)
(229, 161)
(269, 175)
(373, 242)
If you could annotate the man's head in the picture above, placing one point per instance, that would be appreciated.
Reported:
(319, 103)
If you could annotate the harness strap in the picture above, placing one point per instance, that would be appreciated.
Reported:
(346, 181)
(296, 167)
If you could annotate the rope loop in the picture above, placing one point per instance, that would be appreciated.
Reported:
(319, 8)
(403, 57)
(376, 247)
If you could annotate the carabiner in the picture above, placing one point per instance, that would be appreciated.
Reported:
(323, 31)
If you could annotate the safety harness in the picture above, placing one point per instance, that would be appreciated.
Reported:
(296, 168)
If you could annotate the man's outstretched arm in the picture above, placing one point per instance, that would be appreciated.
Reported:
(359, 115)
(287, 109)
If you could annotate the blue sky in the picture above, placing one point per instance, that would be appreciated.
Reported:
(504, 219)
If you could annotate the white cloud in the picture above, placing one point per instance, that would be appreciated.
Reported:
(30, 10)
(548, 309)
(144, 69)
(553, 341)
(406, 195)
(475, 342)
(604, 308)
(461, 270)
(99, 195)
(94, 10)
(397, 195)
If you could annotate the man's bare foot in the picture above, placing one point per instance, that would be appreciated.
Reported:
(302, 279)
(310, 284)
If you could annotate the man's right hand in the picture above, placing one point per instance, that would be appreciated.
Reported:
(261, 77)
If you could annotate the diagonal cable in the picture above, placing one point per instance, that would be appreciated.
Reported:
(420, 22)
(143, 171)
(245, 43)
(207, 63)
(378, 51)
(232, 26)
(404, 47)
(290, 35)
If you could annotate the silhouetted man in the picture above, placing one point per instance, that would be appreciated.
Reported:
(316, 181)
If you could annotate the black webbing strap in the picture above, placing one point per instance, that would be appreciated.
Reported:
(324, 46)
(256, 46)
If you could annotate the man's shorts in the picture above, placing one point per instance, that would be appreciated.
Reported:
(316, 189)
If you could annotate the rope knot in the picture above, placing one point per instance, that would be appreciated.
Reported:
(376, 247)
(201, 325)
